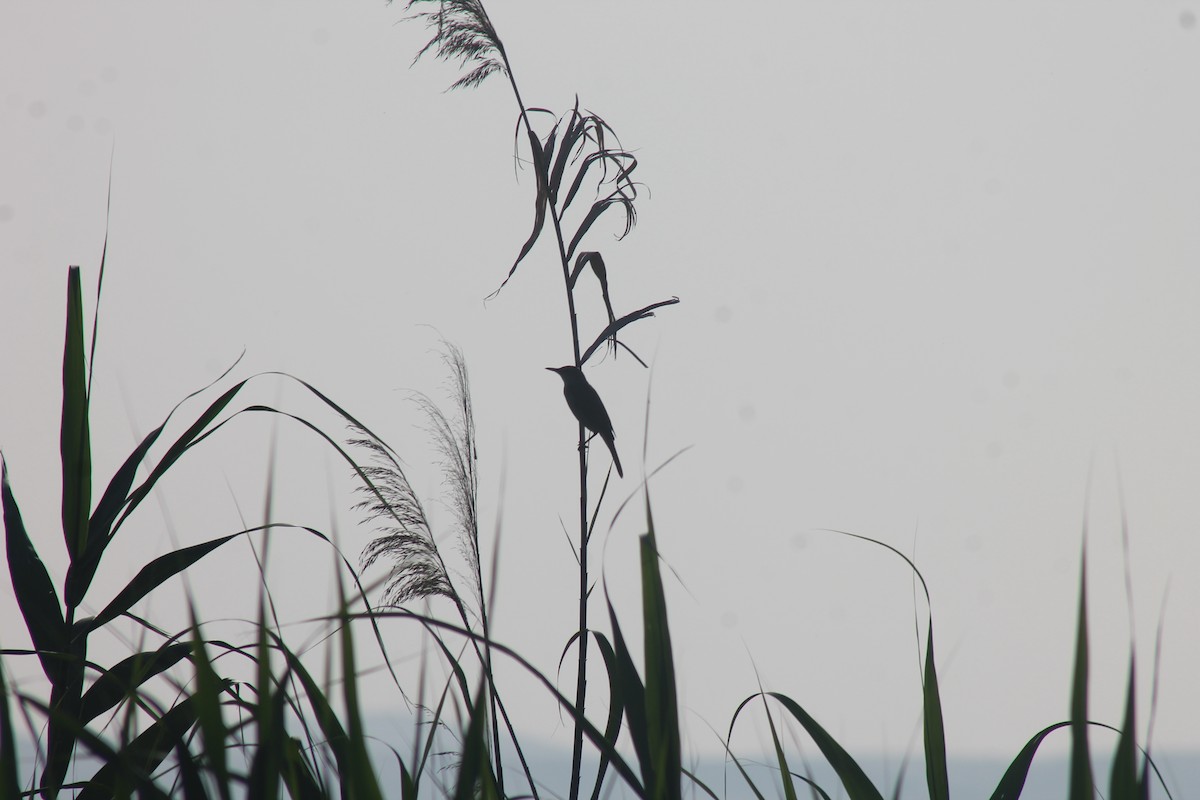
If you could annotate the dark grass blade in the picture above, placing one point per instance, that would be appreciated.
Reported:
(1123, 784)
(1013, 781)
(127, 676)
(81, 572)
(10, 779)
(206, 703)
(301, 782)
(475, 779)
(937, 775)
(785, 773)
(33, 588)
(65, 697)
(1082, 783)
(74, 441)
(616, 708)
(81, 576)
(362, 775)
(134, 765)
(628, 685)
(662, 709)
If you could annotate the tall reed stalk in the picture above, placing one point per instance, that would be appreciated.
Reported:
(579, 151)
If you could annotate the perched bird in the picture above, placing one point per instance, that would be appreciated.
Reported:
(588, 408)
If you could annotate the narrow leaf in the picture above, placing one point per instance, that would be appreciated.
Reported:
(858, 786)
(936, 773)
(33, 588)
(126, 677)
(1123, 783)
(74, 442)
(1082, 783)
(153, 575)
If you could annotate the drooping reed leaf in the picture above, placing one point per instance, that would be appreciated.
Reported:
(33, 588)
(74, 441)
(785, 773)
(127, 676)
(1013, 781)
(858, 786)
(154, 574)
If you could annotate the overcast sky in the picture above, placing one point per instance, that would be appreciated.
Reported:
(937, 265)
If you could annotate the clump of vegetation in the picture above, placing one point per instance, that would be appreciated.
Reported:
(282, 725)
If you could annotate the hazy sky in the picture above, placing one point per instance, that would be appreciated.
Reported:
(937, 264)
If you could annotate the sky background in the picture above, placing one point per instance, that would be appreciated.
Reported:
(938, 277)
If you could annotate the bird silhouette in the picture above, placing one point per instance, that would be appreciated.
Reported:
(588, 408)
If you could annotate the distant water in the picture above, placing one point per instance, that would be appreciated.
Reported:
(972, 778)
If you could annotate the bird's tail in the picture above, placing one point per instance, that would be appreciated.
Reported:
(612, 448)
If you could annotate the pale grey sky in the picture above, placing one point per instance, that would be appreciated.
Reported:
(937, 264)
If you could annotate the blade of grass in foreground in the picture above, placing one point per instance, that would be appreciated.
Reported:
(936, 772)
(662, 710)
(1082, 783)
(1124, 782)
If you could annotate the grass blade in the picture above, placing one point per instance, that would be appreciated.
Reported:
(662, 710)
(123, 679)
(1123, 783)
(75, 442)
(936, 772)
(858, 785)
(1082, 783)
(33, 588)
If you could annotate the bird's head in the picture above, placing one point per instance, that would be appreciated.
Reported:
(567, 373)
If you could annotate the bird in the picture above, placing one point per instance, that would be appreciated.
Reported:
(588, 408)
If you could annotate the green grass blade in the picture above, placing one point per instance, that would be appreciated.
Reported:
(362, 775)
(475, 780)
(1013, 780)
(82, 570)
(206, 704)
(75, 442)
(33, 588)
(936, 772)
(662, 709)
(1123, 784)
(858, 785)
(785, 773)
(1082, 783)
